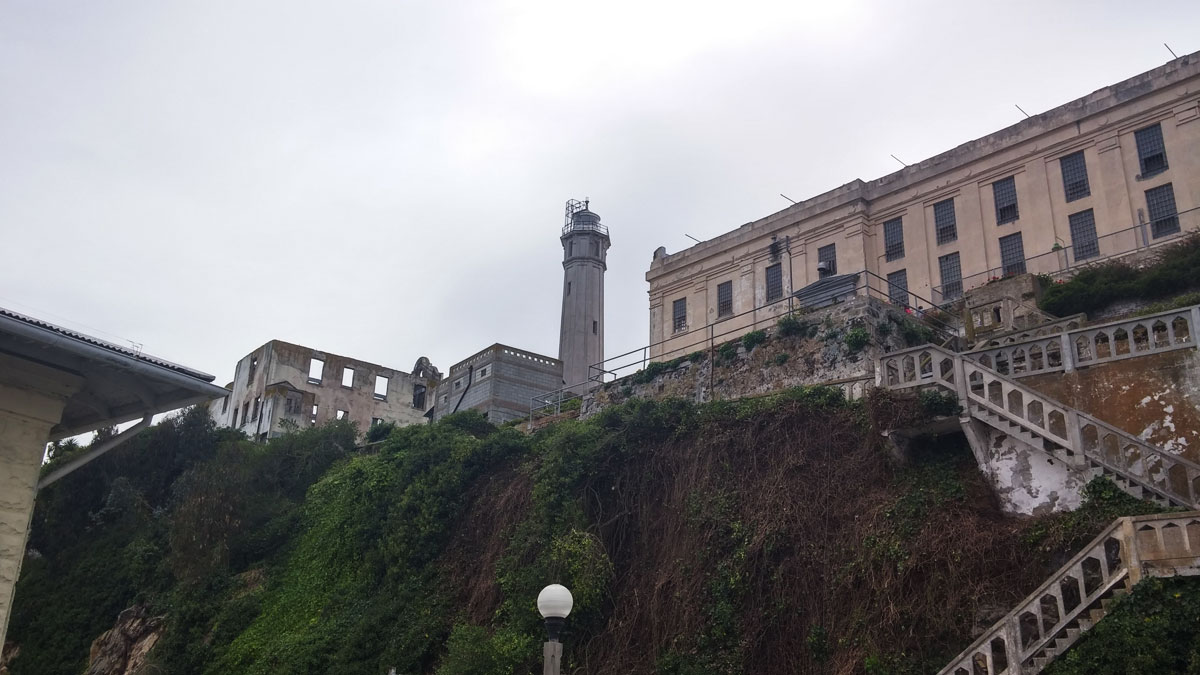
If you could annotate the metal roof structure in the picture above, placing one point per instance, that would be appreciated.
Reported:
(121, 384)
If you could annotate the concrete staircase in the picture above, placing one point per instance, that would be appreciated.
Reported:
(1082, 592)
(1085, 443)
(1051, 619)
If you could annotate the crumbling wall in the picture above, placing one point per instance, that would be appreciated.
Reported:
(825, 353)
(1028, 481)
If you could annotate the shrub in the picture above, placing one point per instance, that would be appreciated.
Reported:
(857, 338)
(728, 351)
(1177, 269)
(753, 339)
(780, 358)
(791, 325)
(939, 404)
(915, 334)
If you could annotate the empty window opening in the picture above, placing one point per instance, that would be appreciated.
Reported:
(898, 288)
(1152, 152)
(381, 387)
(893, 239)
(481, 373)
(951, 271)
(571, 249)
(1164, 219)
(458, 384)
(293, 404)
(257, 407)
(1012, 254)
(679, 315)
(316, 368)
(347, 377)
(568, 288)
(234, 423)
(246, 412)
(250, 371)
(443, 399)
(774, 282)
(418, 400)
(342, 414)
(595, 327)
(1083, 235)
(224, 404)
(1004, 193)
(313, 420)
(827, 261)
(376, 420)
(596, 248)
(944, 222)
(1075, 178)
(725, 299)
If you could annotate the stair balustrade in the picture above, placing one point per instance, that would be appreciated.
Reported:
(1092, 345)
(1052, 618)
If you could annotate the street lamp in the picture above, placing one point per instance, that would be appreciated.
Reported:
(554, 603)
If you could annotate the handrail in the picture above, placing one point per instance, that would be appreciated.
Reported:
(1080, 317)
(998, 629)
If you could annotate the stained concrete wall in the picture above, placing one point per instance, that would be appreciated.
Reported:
(501, 380)
(32, 398)
(279, 362)
(1101, 125)
(1154, 397)
(1027, 481)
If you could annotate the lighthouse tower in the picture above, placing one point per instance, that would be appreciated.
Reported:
(581, 339)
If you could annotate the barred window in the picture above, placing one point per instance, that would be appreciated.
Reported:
(725, 298)
(774, 282)
(679, 314)
(828, 255)
(944, 222)
(951, 272)
(898, 288)
(893, 239)
(1012, 254)
(1083, 235)
(1152, 153)
(1005, 194)
(1160, 202)
(1075, 178)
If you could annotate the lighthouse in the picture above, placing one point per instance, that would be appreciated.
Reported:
(581, 337)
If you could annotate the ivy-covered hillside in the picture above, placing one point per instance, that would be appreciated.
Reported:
(770, 535)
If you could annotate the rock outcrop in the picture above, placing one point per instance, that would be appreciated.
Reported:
(122, 650)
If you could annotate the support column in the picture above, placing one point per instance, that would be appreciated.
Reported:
(32, 398)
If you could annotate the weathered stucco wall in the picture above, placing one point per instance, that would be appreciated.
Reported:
(1028, 481)
(1154, 397)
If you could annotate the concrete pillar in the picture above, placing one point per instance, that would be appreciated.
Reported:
(32, 398)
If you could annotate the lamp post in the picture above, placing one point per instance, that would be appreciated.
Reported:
(554, 604)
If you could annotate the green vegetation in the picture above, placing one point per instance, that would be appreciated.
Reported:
(767, 534)
(857, 338)
(753, 339)
(1152, 630)
(780, 358)
(727, 352)
(1177, 269)
(793, 325)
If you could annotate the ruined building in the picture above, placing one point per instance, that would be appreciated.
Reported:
(281, 384)
(1103, 176)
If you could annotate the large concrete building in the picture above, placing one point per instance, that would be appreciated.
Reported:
(280, 385)
(585, 245)
(1103, 176)
(499, 382)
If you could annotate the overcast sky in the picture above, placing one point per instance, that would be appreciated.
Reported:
(385, 180)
